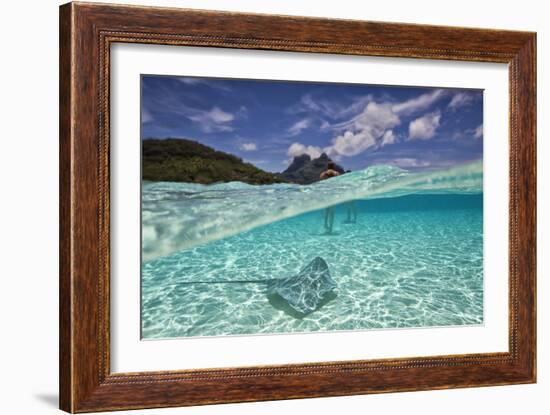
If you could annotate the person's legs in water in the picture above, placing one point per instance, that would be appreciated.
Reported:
(351, 209)
(330, 214)
(329, 219)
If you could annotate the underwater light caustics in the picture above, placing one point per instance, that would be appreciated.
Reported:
(177, 216)
(304, 292)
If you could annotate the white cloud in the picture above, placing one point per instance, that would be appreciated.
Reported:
(350, 144)
(329, 109)
(243, 112)
(372, 125)
(297, 149)
(460, 99)
(478, 131)
(248, 147)
(213, 120)
(146, 116)
(334, 111)
(367, 130)
(190, 81)
(410, 162)
(298, 126)
(219, 116)
(377, 117)
(419, 103)
(212, 83)
(307, 104)
(424, 128)
(388, 138)
(469, 133)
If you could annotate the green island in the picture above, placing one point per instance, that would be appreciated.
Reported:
(182, 160)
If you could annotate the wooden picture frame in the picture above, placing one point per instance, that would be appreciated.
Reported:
(86, 33)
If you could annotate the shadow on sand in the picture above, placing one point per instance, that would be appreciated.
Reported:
(281, 304)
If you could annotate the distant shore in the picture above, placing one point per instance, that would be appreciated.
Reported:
(183, 160)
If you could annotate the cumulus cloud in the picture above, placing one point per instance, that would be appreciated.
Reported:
(424, 128)
(372, 125)
(388, 138)
(366, 130)
(298, 126)
(248, 147)
(213, 120)
(332, 110)
(350, 144)
(297, 149)
(376, 117)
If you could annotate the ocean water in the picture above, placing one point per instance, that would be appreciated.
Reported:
(413, 257)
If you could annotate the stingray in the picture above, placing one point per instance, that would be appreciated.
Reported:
(304, 292)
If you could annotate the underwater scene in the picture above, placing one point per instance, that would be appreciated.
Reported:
(404, 250)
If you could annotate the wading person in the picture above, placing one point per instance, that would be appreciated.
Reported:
(329, 212)
(351, 207)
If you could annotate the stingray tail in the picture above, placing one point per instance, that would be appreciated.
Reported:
(227, 282)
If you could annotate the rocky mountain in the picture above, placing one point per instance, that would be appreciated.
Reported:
(180, 160)
(304, 170)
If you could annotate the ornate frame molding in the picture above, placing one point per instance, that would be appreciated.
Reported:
(86, 34)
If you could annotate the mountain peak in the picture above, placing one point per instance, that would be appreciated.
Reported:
(298, 162)
(305, 170)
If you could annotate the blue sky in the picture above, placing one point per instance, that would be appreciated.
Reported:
(267, 123)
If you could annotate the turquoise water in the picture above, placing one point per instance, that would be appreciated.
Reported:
(413, 258)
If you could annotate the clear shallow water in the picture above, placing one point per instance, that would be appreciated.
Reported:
(408, 261)
(177, 216)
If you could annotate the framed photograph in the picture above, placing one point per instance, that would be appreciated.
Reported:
(259, 207)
